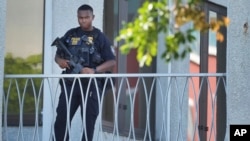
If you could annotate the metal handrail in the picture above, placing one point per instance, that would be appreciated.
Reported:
(178, 90)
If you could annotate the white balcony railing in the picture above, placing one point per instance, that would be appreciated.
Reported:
(138, 107)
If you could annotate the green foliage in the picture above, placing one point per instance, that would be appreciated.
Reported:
(28, 89)
(18, 65)
(154, 18)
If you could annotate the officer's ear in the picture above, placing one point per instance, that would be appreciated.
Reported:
(93, 17)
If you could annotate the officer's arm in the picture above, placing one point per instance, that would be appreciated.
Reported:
(106, 66)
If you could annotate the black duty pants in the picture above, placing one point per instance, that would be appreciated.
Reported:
(92, 109)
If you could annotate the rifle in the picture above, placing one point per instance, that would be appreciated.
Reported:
(74, 61)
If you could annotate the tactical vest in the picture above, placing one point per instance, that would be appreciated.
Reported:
(88, 48)
(84, 46)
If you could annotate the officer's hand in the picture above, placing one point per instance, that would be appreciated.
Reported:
(63, 63)
(87, 70)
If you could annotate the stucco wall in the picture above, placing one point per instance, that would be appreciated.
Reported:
(238, 64)
(2, 50)
(173, 114)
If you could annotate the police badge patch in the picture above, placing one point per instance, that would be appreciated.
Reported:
(75, 41)
(90, 39)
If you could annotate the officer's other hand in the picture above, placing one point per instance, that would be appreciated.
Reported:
(87, 70)
(63, 63)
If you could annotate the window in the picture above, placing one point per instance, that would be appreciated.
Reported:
(115, 12)
(24, 46)
(209, 56)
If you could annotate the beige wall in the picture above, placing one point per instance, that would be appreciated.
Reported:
(24, 27)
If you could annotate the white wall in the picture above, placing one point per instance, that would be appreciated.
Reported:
(238, 63)
(2, 50)
(173, 114)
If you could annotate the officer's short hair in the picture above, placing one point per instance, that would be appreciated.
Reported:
(85, 7)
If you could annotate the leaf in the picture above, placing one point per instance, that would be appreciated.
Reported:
(156, 17)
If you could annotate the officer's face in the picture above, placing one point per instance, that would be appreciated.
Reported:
(85, 18)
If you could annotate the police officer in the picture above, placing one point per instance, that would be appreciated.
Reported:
(100, 58)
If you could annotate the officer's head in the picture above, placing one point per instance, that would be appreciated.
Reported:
(85, 17)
